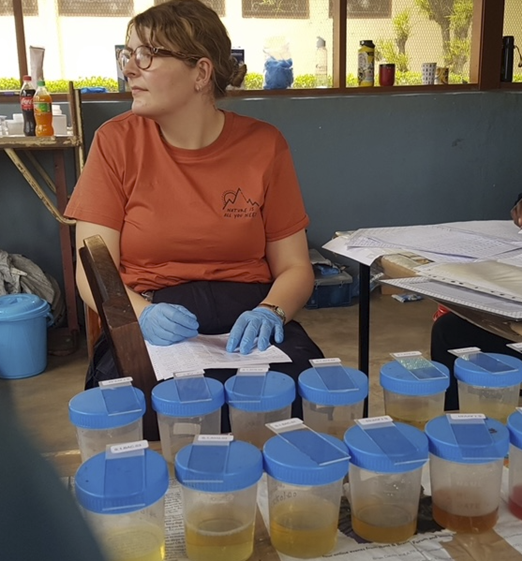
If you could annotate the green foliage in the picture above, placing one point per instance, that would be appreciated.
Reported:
(254, 81)
(10, 84)
(304, 81)
(402, 26)
(460, 19)
(385, 50)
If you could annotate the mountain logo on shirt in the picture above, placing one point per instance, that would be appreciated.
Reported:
(237, 205)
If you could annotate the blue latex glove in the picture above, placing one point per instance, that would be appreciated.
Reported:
(164, 324)
(260, 323)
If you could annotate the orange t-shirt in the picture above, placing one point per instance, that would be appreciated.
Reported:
(189, 215)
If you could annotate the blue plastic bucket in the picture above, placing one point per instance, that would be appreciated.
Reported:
(24, 319)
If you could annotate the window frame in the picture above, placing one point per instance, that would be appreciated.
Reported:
(487, 25)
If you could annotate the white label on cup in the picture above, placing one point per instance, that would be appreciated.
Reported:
(466, 416)
(406, 354)
(189, 373)
(213, 438)
(249, 370)
(372, 421)
(464, 351)
(129, 447)
(323, 361)
(116, 382)
(286, 424)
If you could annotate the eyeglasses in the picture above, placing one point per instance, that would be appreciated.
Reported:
(143, 55)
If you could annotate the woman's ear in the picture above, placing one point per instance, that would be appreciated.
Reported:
(204, 74)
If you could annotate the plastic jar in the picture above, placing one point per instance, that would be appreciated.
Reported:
(249, 412)
(465, 490)
(514, 425)
(385, 487)
(303, 497)
(494, 394)
(219, 506)
(180, 420)
(329, 411)
(100, 422)
(410, 399)
(123, 501)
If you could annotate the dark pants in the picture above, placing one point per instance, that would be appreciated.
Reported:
(217, 305)
(452, 332)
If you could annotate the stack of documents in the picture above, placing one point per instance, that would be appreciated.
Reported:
(474, 264)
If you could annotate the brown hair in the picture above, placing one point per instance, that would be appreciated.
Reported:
(191, 27)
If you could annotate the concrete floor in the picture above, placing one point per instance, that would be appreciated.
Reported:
(42, 401)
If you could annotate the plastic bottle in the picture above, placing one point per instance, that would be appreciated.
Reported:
(508, 55)
(43, 112)
(366, 63)
(26, 103)
(321, 64)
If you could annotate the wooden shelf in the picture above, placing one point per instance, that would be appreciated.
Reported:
(39, 143)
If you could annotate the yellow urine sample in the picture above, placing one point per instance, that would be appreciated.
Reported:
(305, 527)
(383, 524)
(218, 535)
(138, 543)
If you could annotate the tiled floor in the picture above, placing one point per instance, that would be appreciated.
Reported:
(42, 401)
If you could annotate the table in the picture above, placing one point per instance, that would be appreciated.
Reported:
(22, 149)
(504, 543)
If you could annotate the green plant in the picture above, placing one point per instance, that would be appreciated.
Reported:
(7, 84)
(304, 81)
(385, 50)
(402, 28)
(254, 81)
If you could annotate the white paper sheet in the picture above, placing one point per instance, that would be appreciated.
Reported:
(206, 351)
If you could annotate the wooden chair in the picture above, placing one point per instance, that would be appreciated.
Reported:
(120, 324)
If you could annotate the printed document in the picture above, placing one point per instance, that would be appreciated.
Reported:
(206, 351)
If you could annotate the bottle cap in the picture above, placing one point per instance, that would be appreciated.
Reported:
(508, 40)
(320, 42)
(367, 43)
(26, 78)
(41, 82)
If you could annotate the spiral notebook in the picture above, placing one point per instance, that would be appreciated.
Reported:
(451, 293)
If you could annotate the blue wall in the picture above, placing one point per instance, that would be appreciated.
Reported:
(371, 160)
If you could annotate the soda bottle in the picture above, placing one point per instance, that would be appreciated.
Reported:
(26, 103)
(43, 111)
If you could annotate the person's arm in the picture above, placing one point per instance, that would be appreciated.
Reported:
(292, 271)
(161, 324)
(112, 241)
(293, 283)
(516, 212)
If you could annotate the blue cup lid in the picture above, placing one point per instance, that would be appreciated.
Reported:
(474, 375)
(167, 400)
(242, 467)
(278, 391)
(398, 379)
(15, 307)
(286, 462)
(134, 483)
(312, 388)
(514, 425)
(89, 409)
(446, 443)
(406, 452)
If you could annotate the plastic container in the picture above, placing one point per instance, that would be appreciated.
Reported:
(366, 63)
(250, 410)
(123, 501)
(466, 479)
(385, 485)
(219, 490)
(331, 291)
(24, 319)
(303, 496)
(329, 411)
(100, 422)
(411, 399)
(514, 425)
(494, 394)
(321, 64)
(180, 420)
(43, 115)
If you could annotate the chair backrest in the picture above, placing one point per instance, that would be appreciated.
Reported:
(120, 324)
